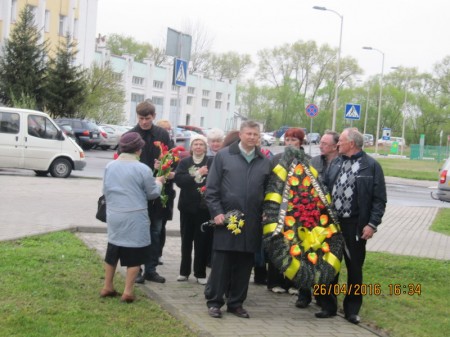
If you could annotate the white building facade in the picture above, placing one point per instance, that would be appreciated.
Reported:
(202, 102)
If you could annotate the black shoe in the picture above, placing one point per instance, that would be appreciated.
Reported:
(355, 319)
(239, 312)
(302, 303)
(155, 277)
(324, 314)
(214, 312)
(139, 278)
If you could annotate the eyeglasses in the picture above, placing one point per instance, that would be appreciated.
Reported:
(326, 144)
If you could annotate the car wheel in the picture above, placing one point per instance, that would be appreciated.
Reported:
(105, 147)
(41, 173)
(60, 168)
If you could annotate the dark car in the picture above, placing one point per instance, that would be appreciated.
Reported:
(87, 133)
(68, 131)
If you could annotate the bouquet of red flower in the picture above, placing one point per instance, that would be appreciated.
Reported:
(167, 159)
(202, 190)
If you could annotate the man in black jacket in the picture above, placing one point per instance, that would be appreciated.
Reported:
(359, 198)
(236, 181)
(152, 133)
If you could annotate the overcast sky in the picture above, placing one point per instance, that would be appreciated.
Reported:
(411, 33)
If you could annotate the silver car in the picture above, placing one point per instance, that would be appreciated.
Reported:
(443, 192)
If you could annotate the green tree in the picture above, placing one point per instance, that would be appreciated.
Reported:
(105, 96)
(120, 44)
(229, 65)
(65, 84)
(23, 66)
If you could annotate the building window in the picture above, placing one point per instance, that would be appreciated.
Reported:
(191, 90)
(13, 10)
(47, 21)
(158, 84)
(205, 93)
(189, 100)
(117, 77)
(158, 100)
(75, 28)
(34, 12)
(62, 25)
(218, 95)
(173, 102)
(138, 98)
(218, 104)
(205, 102)
(138, 80)
(228, 106)
(202, 121)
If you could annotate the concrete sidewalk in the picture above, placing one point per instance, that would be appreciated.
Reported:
(36, 205)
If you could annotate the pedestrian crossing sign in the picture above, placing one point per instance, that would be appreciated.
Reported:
(353, 111)
(180, 72)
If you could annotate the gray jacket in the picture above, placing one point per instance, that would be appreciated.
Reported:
(235, 184)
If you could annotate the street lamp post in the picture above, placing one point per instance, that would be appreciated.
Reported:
(381, 92)
(336, 84)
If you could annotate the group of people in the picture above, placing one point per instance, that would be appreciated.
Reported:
(224, 182)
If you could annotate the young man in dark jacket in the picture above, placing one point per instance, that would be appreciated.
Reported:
(151, 133)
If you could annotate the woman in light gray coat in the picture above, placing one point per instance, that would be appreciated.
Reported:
(128, 185)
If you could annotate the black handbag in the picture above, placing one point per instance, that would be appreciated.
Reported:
(101, 209)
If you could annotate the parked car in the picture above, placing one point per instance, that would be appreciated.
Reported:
(67, 130)
(368, 139)
(443, 192)
(280, 132)
(312, 138)
(87, 133)
(386, 142)
(109, 138)
(267, 139)
(31, 140)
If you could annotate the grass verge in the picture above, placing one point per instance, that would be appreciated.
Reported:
(50, 287)
(406, 315)
(410, 169)
(441, 223)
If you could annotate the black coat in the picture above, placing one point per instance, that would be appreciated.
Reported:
(371, 189)
(190, 199)
(150, 152)
(235, 184)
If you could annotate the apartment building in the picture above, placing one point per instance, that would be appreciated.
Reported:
(202, 102)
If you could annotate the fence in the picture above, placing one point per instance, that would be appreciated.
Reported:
(438, 153)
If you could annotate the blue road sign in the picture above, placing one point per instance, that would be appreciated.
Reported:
(353, 111)
(180, 72)
(312, 110)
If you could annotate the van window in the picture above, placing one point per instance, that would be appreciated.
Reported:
(9, 122)
(41, 127)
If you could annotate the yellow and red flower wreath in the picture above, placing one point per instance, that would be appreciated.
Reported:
(300, 230)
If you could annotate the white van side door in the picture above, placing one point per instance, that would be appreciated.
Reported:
(11, 141)
(42, 142)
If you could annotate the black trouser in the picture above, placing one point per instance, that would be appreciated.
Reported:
(354, 255)
(230, 274)
(191, 233)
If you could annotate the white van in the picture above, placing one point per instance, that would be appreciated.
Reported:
(32, 140)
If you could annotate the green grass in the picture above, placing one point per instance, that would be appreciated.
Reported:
(441, 223)
(410, 169)
(406, 315)
(50, 287)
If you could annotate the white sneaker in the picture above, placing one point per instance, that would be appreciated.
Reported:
(182, 278)
(278, 290)
(293, 291)
(202, 281)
